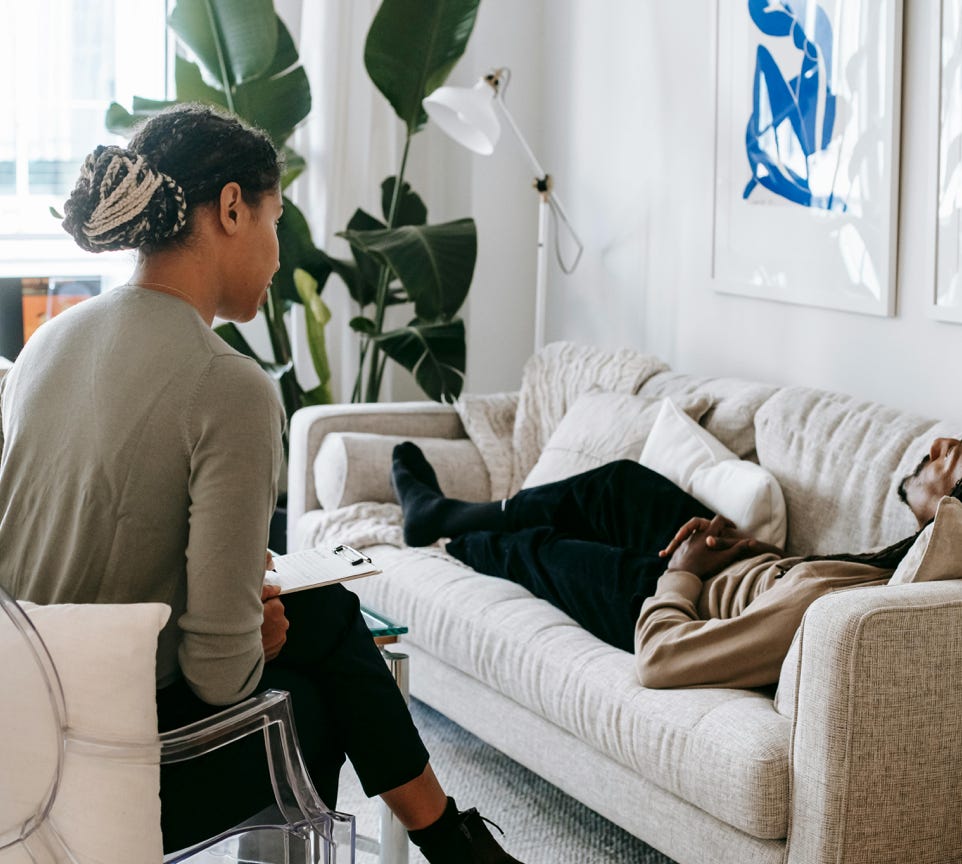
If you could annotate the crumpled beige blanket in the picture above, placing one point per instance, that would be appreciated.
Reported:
(366, 523)
(509, 429)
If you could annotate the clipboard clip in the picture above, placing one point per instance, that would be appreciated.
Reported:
(351, 554)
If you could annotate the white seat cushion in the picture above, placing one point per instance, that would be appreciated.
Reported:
(107, 808)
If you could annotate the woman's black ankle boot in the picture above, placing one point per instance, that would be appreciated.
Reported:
(460, 837)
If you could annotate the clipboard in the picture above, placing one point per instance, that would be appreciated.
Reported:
(314, 568)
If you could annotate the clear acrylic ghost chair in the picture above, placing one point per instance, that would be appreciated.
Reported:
(34, 712)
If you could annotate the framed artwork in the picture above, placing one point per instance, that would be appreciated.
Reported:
(807, 151)
(947, 301)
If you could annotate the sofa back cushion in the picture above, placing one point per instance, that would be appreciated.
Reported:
(552, 381)
(731, 418)
(839, 461)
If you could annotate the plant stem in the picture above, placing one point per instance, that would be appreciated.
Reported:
(218, 44)
(281, 345)
(362, 343)
(376, 367)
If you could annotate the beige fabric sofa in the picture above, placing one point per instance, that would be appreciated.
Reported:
(869, 769)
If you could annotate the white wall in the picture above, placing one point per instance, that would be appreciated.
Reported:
(617, 98)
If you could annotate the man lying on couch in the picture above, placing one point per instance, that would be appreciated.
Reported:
(700, 605)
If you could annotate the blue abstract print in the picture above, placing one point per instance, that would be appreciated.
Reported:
(792, 118)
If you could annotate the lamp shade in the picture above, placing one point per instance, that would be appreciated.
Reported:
(467, 115)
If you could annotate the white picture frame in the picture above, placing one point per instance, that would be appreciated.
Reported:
(807, 152)
(947, 49)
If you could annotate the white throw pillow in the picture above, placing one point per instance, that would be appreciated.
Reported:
(107, 809)
(679, 449)
(601, 427)
(356, 466)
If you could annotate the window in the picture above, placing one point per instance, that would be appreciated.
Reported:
(62, 62)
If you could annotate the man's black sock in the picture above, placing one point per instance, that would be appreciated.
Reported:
(428, 515)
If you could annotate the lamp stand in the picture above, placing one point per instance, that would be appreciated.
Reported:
(469, 117)
(546, 201)
(541, 277)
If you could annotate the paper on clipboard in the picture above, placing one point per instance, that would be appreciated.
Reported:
(313, 568)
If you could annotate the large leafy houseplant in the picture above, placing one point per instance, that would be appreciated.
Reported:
(411, 48)
(245, 61)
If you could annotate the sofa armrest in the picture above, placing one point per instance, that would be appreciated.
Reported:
(309, 426)
(877, 741)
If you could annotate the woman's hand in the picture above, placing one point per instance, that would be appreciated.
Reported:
(705, 547)
(274, 628)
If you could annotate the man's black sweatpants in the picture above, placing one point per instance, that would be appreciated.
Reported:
(588, 544)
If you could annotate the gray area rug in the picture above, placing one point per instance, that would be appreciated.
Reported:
(542, 825)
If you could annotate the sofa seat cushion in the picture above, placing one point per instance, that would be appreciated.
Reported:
(725, 751)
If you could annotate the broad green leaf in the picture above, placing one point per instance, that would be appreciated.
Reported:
(120, 121)
(286, 54)
(232, 336)
(149, 106)
(347, 270)
(368, 268)
(232, 38)
(275, 105)
(190, 85)
(317, 315)
(294, 166)
(435, 263)
(411, 48)
(297, 250)
(360, 324)
(434, 353)
(411, 210)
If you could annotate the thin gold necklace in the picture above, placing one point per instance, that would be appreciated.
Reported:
(187, 297)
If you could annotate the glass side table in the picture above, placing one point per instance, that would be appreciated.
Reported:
(391, 846)
(382, 629)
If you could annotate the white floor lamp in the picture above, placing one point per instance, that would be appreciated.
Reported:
(468, 116)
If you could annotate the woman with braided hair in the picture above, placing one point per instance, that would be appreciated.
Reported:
(140, 462)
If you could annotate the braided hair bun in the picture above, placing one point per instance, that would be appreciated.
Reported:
(122, 202)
